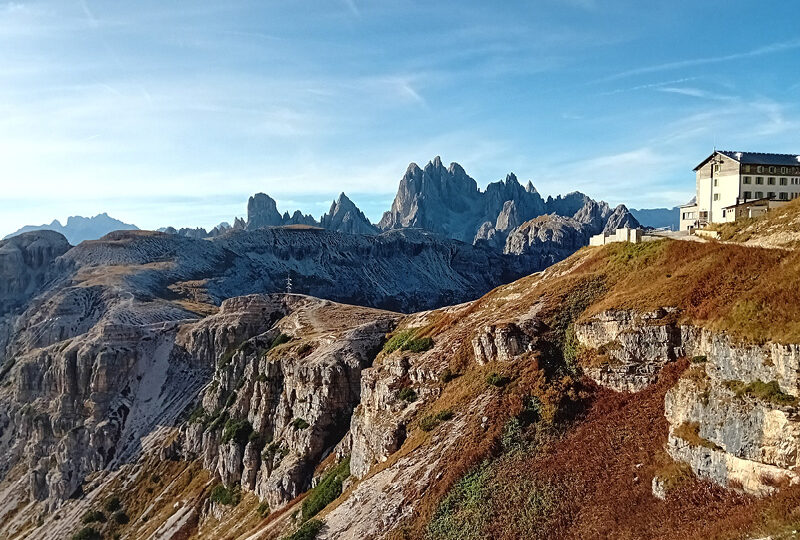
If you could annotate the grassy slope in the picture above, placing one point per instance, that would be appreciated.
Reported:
(778, 228)
(586, 470)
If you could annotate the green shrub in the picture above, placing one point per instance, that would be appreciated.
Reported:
(463, 512)
(238, 431)
(263, 509)
(262, 378)
(227, 496)
(154, 478)
(299, 423)
(397, 340)
(495, 379)
(328, 489)
(407, 394)
(93, 516)
(279, 340)
(112, 504)
(307, 531)
(770, 392)
(405, 341)
(447, 376)
(231, 399)
(272, 450)
(431, 421)
(121, 518)
(698, 359)
(198, 415)
(87, 533)
(217, 420)
(418, 344)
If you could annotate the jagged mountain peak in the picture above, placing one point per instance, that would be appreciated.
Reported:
(344, 216)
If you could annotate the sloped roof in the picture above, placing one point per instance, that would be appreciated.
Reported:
(757, 158)
(693, 202)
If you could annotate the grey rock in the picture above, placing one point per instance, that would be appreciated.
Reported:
(345, 217)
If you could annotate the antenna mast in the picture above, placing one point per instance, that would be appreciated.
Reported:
(288, 283)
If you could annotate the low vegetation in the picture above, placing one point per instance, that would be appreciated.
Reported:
(496, 379)
(93, 516)
(765, 391)
(307, 531)
(407, 394)
(327, 491)
(406, 340)
(690, 432)
(87, 533)
(432, 421)
(299, 423)
(229, 496)
(238, 431)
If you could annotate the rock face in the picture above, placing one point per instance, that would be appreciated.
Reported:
(262, 212)
(739, 406)
(294, 399)
(546, 240)
(733, 415)
(448, 201)
(26, 263)
(345, 217)
(626, 350)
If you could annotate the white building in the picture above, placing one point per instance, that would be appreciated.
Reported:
(727, 179)
(625, 234)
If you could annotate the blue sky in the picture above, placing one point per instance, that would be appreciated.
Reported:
(172, 113)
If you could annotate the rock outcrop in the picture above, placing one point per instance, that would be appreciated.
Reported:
(344, 216)
(279, 402)
(733, 415)
(625, 350)
(26, 263)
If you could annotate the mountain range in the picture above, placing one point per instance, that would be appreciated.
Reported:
(80, 228)
(447, 201)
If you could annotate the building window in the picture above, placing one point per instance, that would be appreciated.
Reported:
(747, 195)
(771, 180)
(716, 167)
(783, 170)
(716, 196)
(759, 179)
(784, 181)
(759, 169)
(784, 196)
(771, 195)
(772, 169)
(716, 182)
(759, 194)
(747, 168)
(746, 180)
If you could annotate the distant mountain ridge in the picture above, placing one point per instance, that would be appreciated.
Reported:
(447, 201)
(79, 228)
(658, 217)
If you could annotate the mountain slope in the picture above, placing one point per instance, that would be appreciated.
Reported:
(80, 228)
(514, 415)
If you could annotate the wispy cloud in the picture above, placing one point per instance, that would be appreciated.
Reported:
(760, 51)
(695, 92)
(353, 7)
